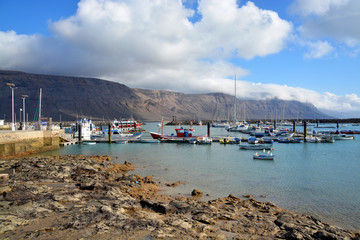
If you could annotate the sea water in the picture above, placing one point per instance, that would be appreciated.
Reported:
(321, 179)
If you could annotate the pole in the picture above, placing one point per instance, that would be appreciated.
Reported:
(305, 130)
(24, 120)
(12, 86)
(40, 109)
(110, 133)
(294, 126)
(208, 129)
(79, 132)
(235, 102)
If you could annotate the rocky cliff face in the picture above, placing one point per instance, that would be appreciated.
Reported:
(75, 97)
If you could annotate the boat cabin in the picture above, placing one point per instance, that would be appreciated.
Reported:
(184, 132)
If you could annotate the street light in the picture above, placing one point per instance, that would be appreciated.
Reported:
(12, 86)
(24, 120)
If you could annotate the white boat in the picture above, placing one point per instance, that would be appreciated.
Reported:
(342, 137)
(264, 156)
(312, 139)
(203, 140)
(255, 146)
(87, 129)
(220, 125)
(243, 127)
(88, 143)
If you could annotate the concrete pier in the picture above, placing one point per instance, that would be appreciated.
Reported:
(15, 143)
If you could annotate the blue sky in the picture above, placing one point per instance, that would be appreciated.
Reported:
(294, 50)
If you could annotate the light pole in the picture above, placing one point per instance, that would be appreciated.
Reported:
(12, 86)
(24, 120)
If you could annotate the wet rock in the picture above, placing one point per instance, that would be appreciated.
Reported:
(196, 193)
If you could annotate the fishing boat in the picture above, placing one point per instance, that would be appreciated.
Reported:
(182, 133)
(128, 125)
(264, 156)
(255, 146)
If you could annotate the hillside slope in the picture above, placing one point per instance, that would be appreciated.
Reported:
(76, 97)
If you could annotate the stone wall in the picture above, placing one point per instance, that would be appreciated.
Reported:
(28, 142)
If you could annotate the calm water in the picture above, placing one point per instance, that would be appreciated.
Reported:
(320, 179)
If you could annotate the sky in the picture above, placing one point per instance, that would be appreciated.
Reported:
(301, 50)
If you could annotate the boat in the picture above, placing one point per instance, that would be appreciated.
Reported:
(183, 134)
(312, 139)
(266, 140)
(220, 124)
(342, 137)
(203, 140)
(129, 125)
(242, 127)
(327, 139)
(224, 141)
(88, 143)
(117, 134)
(296, 140)
(255, 146)
(283, 140)
(253, 140)
(264, 156)
(122, 141)
(84, 125)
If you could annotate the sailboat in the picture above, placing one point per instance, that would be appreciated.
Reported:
(238, 127)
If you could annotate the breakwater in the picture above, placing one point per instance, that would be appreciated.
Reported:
(27, 142)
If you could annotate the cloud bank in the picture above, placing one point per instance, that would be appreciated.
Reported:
(154, 45)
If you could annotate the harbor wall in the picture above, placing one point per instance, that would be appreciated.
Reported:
(28, 142)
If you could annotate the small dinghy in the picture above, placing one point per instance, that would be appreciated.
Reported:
(264, 156)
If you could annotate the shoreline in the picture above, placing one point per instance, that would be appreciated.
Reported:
(74, 197)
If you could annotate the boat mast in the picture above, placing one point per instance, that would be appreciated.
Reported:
(39, 119)
(235, 102)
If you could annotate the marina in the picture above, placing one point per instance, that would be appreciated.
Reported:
(317, 179)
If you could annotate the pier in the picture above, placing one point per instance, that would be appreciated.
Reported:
(15, 143)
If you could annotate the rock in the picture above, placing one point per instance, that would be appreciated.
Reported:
(248, 196)
(196, 193)
(204, 218)
(158, 207)
(106, 209)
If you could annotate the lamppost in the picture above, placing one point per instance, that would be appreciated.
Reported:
(12, 86)
(24, 120)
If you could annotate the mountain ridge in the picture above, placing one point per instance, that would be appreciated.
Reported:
(69, 98)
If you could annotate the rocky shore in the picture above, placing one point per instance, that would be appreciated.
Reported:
(90, 197)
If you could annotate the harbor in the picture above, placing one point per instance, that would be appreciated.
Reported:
(312, 178)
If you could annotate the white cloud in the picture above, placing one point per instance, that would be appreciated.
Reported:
(318, 49)
(152, 44)
(335, 19)
(311, 7)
